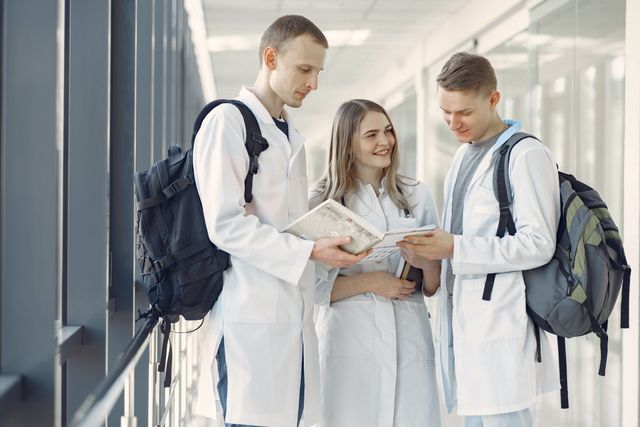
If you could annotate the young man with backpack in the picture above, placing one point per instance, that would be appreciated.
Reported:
(261, 328)
(487, 344)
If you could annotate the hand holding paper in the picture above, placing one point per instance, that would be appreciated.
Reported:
(434, 244)
(331, 219)
(327, 251)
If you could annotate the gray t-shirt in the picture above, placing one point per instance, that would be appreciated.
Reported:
(472, 158)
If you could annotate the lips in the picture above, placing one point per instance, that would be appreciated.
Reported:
(382, 152)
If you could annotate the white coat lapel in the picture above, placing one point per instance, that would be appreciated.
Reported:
(274, 136)
(483, 167)
(296, 140)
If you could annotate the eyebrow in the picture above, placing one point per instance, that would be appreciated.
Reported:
(465, 110)
(310, 66)
(389, 126)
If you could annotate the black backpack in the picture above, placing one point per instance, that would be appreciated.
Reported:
(181, 268)
(574, 293)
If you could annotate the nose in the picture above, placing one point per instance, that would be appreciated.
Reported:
(454, 122)
(384, 140)
(312, 83)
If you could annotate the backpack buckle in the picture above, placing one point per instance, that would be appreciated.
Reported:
(253, 164)
(177, 186)
(158, 265)
(262, 142)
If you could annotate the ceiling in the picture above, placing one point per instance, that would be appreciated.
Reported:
(394, 27)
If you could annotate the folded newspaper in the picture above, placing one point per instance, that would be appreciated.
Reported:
(331, 219)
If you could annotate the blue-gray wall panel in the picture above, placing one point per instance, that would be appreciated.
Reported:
(29, 205)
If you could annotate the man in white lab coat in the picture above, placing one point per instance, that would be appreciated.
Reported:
(261, 329)
(487, 349)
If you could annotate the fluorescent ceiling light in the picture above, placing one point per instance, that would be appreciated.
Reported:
(244, 42)
(195, 16)
(347, 37)
(530, 39)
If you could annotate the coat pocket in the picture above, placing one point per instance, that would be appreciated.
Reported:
(345, 329)
(413, 331)
(504, 316)
(482, 201)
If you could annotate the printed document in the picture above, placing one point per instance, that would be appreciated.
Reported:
(331, 219)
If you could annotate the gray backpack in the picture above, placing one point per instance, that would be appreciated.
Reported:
(576, 291)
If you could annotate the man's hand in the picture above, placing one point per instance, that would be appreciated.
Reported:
(434, 244)
(327, 252)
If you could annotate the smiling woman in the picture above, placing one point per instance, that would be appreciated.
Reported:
(376, 353)
(373, 147)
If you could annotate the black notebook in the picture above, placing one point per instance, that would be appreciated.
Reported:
(408, 272)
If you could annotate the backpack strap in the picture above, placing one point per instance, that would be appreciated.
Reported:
(624, 303)
(536, 332)
(255, 143)
(502, 191)
(562, 365)
(166, 361)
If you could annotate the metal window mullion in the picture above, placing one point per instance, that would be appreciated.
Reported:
(87, 192)
(121, 167)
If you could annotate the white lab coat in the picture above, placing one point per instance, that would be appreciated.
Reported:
(376, 355)
(489, 366)
(265, 310)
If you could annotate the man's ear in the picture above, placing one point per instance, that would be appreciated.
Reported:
(269, 58)
(494, 99)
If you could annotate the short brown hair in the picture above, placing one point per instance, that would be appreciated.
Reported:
(466, 71)
(286, 28)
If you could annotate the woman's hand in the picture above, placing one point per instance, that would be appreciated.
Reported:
(388, 286)
(379, 282)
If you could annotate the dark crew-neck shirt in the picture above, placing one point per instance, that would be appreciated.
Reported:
(282, 125)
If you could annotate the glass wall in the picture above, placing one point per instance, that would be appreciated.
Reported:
(90, 92)
(404, 118)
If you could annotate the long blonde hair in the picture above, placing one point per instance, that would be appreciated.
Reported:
(340, 178)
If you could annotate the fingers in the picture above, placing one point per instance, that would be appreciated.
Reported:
(414, 240)
(338, 241)
(407, 287)
(404, 289)
(342, 259)
(327, 251)
(422, 239)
